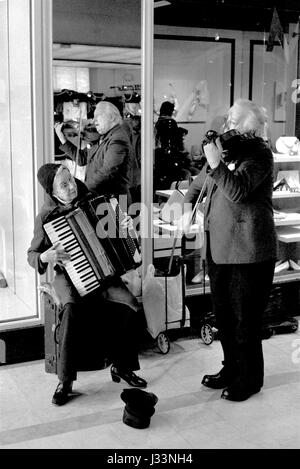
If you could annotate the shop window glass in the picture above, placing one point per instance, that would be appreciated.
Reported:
(196, 74)
(202, 71)
(18, 298)
(268, 84)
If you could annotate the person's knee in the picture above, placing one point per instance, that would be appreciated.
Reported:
(124, 316)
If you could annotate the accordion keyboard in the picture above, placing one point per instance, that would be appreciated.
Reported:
(78, 268)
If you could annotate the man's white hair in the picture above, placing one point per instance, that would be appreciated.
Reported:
(250, 117)
(108, 109)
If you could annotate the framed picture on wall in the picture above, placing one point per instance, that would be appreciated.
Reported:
(196, 73)
(195, 106)
(191, 102)
(267, 79)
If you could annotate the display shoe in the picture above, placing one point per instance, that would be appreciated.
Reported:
(238, 395)
(199, 278)
(294, 265)
(61, 395)
(216, 381)
(129, 376)
(280, 266)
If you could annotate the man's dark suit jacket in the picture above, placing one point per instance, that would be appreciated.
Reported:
(238, 212)
(108, 162)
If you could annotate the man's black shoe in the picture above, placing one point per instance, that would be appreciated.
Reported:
(61, 395)
(217, 381)
(238, 395)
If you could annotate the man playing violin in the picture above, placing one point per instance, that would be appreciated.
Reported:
(241, 246)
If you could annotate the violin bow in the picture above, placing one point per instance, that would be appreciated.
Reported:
(198, 201)
(78, 141)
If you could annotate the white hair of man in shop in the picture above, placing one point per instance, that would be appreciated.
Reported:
(106, 116)
(247, 117)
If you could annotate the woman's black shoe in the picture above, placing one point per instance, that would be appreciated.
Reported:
(61, 395)
(217, 381)
(129, 376)
(238, 395)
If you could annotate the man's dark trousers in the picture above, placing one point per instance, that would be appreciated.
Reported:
(240, 294)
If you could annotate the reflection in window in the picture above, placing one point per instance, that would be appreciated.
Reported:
(196, 74)
(268, 84)
(71, 78)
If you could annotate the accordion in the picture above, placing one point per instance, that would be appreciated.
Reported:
(99, 247)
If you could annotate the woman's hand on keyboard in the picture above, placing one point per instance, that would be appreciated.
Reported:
(55, 255)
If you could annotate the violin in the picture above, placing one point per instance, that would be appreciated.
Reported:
(88, 133)
(70, 129)
(229, 140)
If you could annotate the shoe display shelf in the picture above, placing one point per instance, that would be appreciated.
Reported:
(286, 205)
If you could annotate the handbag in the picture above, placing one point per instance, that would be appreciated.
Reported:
(173, 208)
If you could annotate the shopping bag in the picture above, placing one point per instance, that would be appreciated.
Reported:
(161, 293)
(173, 208)
(133, 281)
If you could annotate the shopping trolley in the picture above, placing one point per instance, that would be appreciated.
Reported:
(170, 273)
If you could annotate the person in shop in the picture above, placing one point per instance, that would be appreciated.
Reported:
(135, 172)
(108, 162)
(108, 315)
(166, 126)
(240, 245)
(172, 161)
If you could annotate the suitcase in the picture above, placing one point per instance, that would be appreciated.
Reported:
(90, 356)
(51, 311)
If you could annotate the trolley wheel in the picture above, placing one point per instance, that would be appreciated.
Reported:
(163, 343)
(207, 334)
